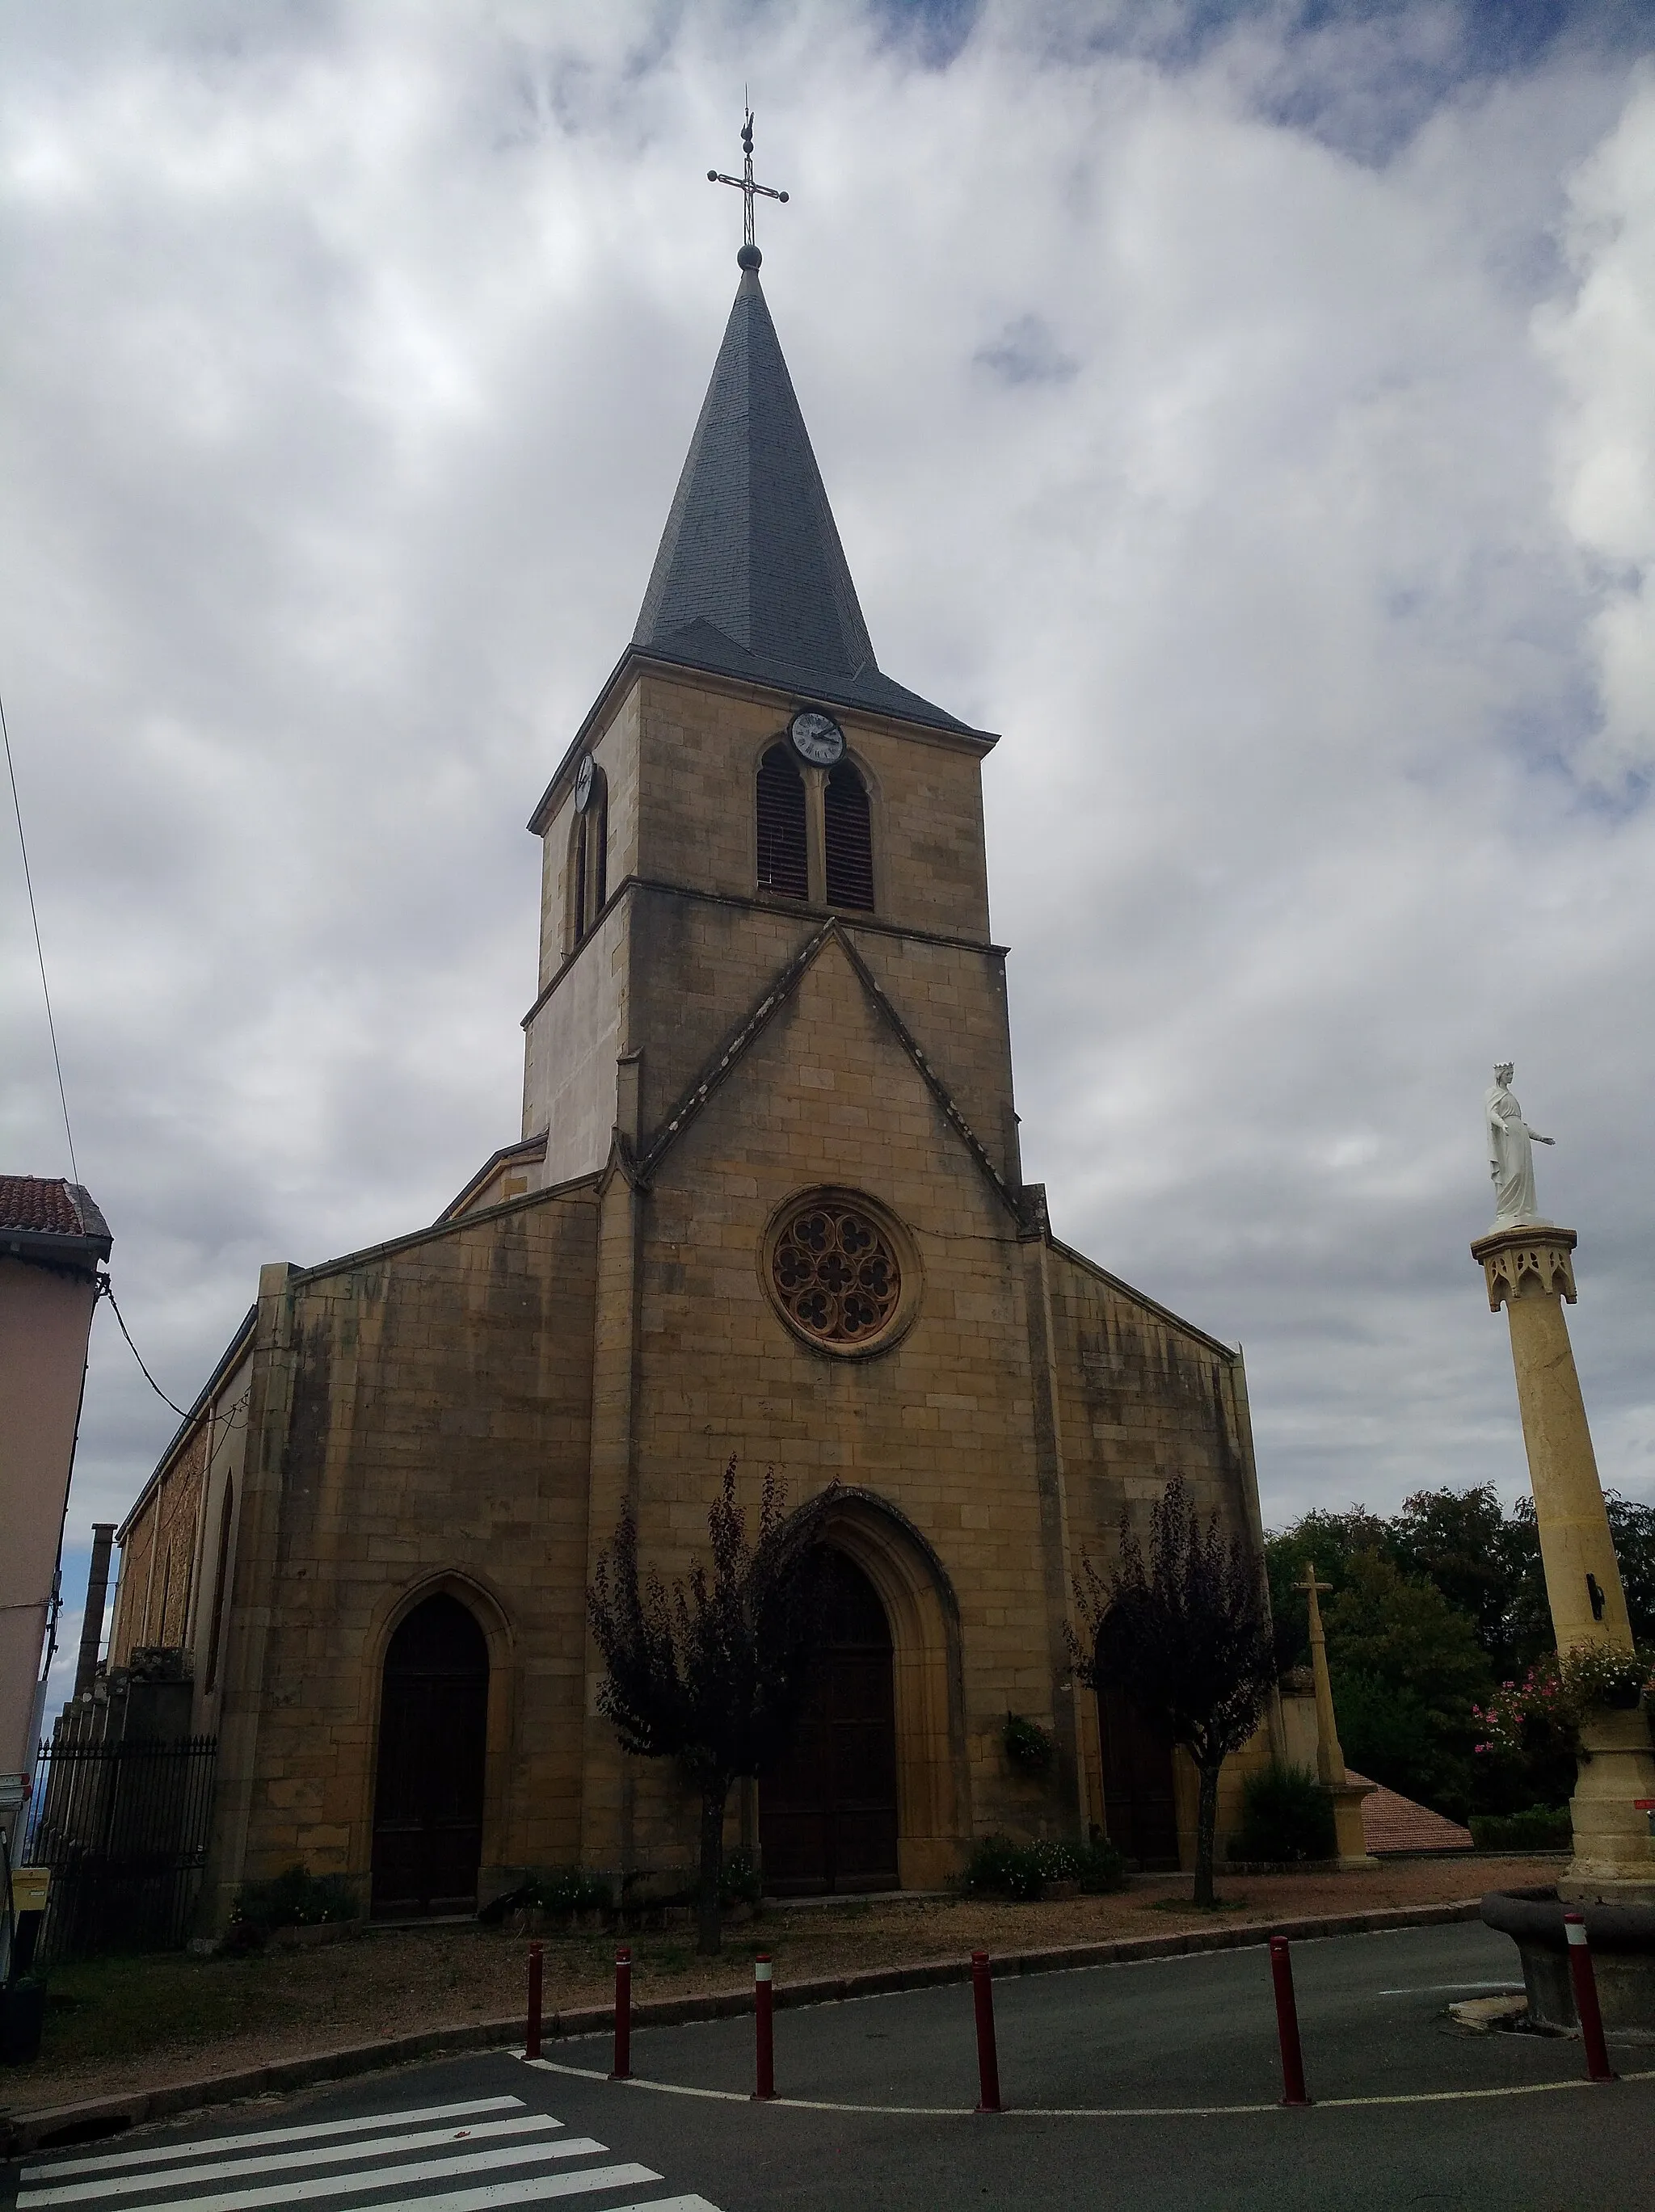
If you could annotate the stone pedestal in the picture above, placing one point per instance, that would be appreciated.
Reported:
(1347, 1797)
(1529, 1271)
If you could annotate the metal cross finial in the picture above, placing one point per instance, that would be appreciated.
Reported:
(749, 256)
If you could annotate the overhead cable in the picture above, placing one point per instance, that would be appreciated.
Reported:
(40, 949)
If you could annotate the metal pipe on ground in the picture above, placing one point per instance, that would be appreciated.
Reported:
(532, 2039)
(987, 2058)
(1584, 1978)
(1287, 2023)
(622, 2070)
(764, 2031)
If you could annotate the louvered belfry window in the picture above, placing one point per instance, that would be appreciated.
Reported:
(848, 832)
(782, 863)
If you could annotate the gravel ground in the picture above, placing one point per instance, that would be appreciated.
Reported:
(115, 2026)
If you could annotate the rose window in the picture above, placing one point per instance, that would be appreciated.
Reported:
(836, 1274)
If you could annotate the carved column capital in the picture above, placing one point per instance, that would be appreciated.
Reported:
(1526, 1262)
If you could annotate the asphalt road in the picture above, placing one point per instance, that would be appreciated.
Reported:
(1124, 2084)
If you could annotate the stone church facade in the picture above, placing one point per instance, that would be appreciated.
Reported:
(768, 1202)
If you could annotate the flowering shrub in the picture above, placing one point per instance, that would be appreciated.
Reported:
(1558, 1693)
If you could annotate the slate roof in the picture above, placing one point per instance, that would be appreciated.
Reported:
(751, 579)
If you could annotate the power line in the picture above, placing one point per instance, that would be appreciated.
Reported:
(109, 1292)
(39, 954)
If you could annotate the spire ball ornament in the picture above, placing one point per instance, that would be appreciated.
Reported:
(749, 256)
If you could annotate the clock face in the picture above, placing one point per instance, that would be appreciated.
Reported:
(583, 775)
(817, 737)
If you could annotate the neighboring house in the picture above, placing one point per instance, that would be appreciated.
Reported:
(767, 1200)
(51, 1239)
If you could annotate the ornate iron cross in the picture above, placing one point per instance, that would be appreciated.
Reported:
(748, 189)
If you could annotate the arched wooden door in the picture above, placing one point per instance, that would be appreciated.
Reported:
(1140, 1808)
(827, 1816)
(428, 1799)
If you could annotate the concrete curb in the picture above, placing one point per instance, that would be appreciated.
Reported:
(57, 2126)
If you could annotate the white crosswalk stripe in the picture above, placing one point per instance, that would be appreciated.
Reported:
(482, 2136)
(121, 2161)
(226, 2169)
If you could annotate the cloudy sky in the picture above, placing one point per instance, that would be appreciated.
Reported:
(1247, 409)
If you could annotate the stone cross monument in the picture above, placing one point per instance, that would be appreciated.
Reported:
(1528, 1269)
(1347, 1795)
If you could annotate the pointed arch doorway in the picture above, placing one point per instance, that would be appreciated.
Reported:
(827, 1816)
(427, 1797)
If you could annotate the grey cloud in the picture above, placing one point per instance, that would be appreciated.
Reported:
(1026, 351)
(345, 409)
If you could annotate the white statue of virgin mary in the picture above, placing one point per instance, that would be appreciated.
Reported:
(1511, 1160)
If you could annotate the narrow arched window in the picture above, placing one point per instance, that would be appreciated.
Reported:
(784, 865)
(848, 835)
(225, 1518)
(589, 860)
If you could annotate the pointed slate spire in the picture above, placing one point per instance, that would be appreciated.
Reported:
(750, 578)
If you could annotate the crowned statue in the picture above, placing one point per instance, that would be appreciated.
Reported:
(1511, 1156)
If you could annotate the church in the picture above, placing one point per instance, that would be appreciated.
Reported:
(766, 1202)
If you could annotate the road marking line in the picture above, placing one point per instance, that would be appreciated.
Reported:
(204, 2150)
(537, 2191)
(1076, 2111)
(333, 2154)
(337, 2184)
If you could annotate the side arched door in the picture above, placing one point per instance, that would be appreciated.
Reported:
(427, 1797)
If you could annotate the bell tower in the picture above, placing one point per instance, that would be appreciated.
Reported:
(748, 778)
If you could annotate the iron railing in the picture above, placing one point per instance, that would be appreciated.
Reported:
(124, 1828)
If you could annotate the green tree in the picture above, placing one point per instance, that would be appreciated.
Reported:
(1462, 1540)
(1186, 1636)
(1407, 1668)
(714, 1673)
(1330, 1541)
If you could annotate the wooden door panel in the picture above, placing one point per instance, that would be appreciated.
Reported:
(428, 1805)
(827, 1814)
(1139, 1803)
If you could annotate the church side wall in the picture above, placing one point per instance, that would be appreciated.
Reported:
(438, 1437)
(1142, 1399)
(158, 1554)
(574, 1038)
(569, 1080)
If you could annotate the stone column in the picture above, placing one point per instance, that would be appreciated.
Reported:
(1347, 1795)
(1529, 1271)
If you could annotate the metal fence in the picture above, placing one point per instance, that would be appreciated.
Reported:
(124, 1828)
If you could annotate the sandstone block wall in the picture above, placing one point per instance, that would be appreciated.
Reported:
(438, 1436)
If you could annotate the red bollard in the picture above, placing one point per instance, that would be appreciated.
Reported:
(1585, 2000)
(622, 2070)
(764, 2025)
(1287, 2024)
(987, 2060)
(531, 2041)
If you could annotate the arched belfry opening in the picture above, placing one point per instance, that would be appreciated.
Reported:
(782, 835)
(427, 1797)
(828, 1816)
